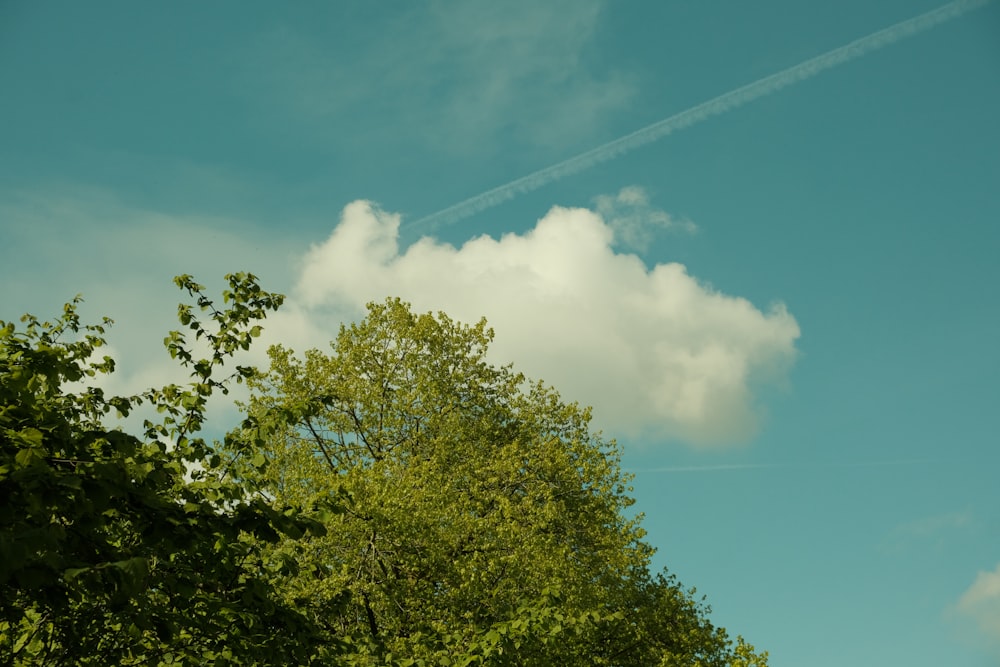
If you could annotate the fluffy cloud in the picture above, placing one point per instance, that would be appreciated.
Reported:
(653, 350)
(981, 603)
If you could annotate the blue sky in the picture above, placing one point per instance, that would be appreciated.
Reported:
(786, 313)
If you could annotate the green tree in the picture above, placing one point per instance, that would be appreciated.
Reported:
(116, 548)
(484, 522)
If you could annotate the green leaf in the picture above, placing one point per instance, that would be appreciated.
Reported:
(25, 457)
(31, 437)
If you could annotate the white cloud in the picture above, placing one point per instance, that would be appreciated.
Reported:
(653, 350)
(981, 604)
(634, 220)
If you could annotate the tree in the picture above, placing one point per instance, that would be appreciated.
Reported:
(483, 523)
(122, 549)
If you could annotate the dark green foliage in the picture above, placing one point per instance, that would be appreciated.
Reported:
(116, 548)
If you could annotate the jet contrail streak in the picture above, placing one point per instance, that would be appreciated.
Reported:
(696, 114)
(814, 464)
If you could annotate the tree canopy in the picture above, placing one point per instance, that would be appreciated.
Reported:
(483, 517)
(399, 500)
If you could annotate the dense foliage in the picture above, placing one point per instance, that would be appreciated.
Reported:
(483, 518)
(111, 553)
(399, 501)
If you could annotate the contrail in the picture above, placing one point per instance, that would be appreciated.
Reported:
(812, 464)
(696, 114)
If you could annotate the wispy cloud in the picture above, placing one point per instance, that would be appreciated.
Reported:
(122, 259)
(652, 349)
(468, 75)
(634, 220)
(936, 524)
(716, 106)
(936, 531)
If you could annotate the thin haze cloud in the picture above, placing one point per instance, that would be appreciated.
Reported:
(696, 114)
